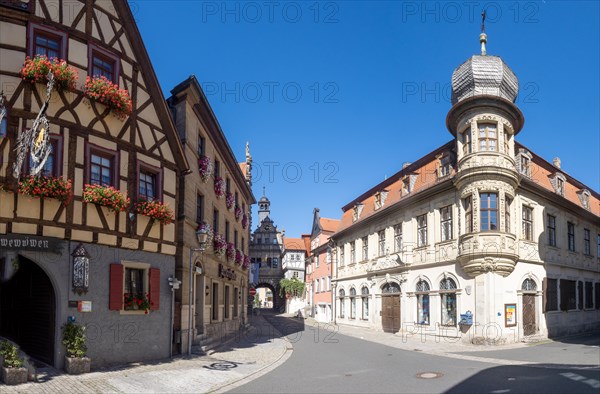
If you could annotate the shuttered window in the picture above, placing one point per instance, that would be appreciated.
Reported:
(118, 287)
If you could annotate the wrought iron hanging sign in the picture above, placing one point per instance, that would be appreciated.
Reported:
(81, 270)
(36, 140)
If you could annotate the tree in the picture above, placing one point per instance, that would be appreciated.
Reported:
(292, 286)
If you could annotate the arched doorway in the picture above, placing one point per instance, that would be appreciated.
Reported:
(266, 296)
(27, 310)
(390, 307)
(529, 289)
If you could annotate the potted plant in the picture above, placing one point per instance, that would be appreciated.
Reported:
(244, 221)
(102, 90)
(13, 371)
(106, 196)
(156, 210)
(47, 187)
(74, 339)
(238, 212)
(239, 257)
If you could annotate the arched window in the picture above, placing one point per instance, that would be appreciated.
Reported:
(448, 297)
(390, 288)
(364, 292)
(353, 303)
(422, 293)
(529, 285)
(341, 296)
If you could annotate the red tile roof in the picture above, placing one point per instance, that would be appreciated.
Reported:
(426, 170)
(294, 244)
(330, 225)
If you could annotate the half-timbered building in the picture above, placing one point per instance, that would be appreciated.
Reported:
(91, 237)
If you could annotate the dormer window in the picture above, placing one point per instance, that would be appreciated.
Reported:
(444, 165)
(378, 201)
(559, 182)
(406, 186)
(584, 197)
(380, 198)
(524, 162)
(356, 212)
(488, 137)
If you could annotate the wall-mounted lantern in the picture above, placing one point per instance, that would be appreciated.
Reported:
(81, 270)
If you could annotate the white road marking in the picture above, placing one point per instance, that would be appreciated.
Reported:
(578, 378)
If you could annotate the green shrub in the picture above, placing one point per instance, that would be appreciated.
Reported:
(10, 355)
(74, 339)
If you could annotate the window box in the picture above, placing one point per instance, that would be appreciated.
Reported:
(36, 69)
(219, 187)
(156, 210)
(245, 221)
(47, 187)
(239, 257)
(106, 196)
(103, 91)
(205, 168)
(229, 200)
(136, 302)
(246, 263)
(230, 252)
(219, 245)
(238, 212)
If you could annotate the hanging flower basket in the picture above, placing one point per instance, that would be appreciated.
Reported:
(106, 196)
(230, 252)
(35, 70)
(137, 302)
(246, 263)
(205, 168)
(245, 221)
(47, 187)
(156, 210)
(229, 200)
(219, 245)
(239, 257)
(101, 90)
(238, 212)
(219, 187)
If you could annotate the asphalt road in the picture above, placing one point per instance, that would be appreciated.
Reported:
(324, 361)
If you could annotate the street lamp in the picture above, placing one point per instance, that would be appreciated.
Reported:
(202, 236)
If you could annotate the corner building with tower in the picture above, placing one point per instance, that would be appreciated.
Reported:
(480, 240)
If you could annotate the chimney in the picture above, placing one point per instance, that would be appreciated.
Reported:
(556, 162)
(406, 164)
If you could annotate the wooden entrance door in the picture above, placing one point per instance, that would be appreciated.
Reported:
(391, 312)
(529, 327)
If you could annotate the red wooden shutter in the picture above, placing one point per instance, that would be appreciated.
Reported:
(115, 294)
(154, 288)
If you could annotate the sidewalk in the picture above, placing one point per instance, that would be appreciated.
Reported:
(247, 356)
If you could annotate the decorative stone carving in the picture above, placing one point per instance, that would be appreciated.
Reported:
(487, 252)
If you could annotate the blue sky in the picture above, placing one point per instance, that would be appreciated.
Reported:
(335, 96)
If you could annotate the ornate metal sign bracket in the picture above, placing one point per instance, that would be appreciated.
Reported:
(36, 140)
